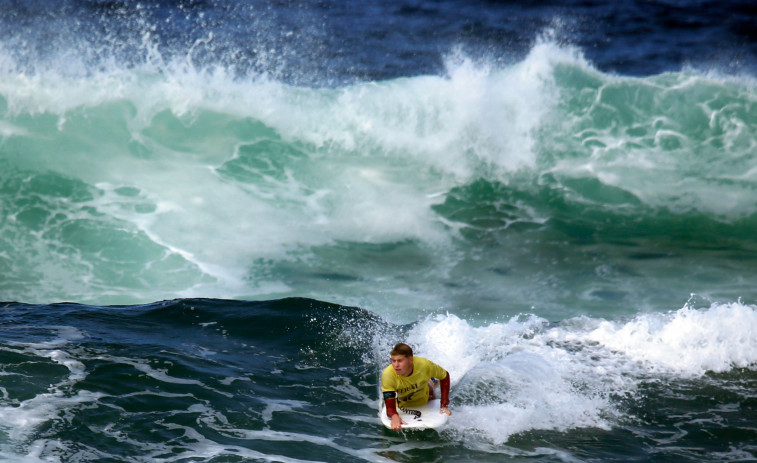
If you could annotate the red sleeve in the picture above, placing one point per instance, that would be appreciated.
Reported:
(444, 389)
(391, 407)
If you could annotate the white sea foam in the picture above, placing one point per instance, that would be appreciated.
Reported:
(687, 342)
(20, 419)
(273, 406)
(372, 161)
(529, 375)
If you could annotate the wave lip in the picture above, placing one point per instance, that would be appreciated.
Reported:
(211, 184)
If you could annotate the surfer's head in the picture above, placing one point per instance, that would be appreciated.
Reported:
(402, 359)
(402, 349)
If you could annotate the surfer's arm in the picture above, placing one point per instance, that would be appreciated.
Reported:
(390, 400)
(444, 389)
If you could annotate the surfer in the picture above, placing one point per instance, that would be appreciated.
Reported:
(409, 382)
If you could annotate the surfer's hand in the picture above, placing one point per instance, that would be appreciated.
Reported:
(445, 410)
(397, 422)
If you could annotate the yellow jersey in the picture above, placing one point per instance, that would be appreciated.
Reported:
(412, 391)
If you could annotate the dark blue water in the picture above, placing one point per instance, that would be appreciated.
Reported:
(216, 218)
(335, 42)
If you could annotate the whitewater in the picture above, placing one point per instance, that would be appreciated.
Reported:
(217, 219)
(140, 184)
(215, 380)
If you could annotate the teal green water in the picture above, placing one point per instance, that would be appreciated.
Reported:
(248, 203)
(543, 186)
(575, 248)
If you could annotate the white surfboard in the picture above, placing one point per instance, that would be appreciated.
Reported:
(425, 417)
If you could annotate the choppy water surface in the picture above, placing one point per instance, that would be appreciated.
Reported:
(247, 204)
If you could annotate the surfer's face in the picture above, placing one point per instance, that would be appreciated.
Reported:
(402, 365)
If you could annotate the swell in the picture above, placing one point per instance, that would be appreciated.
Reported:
(236, 376)
(679, 142)
(335, 334)
(227, 377)
(220, 186)
(585, 212)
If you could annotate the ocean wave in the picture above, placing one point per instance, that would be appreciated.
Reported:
(237, 367)
(214, 185)
(526, 373)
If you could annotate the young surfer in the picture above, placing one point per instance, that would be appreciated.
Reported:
(407, 382)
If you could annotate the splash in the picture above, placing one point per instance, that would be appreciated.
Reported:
(527, 374)
(167, 178)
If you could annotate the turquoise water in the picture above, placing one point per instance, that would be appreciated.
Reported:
(546, 185)
(216, 220)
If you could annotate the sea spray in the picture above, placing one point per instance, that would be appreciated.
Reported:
(171, 180)
(552, 181)
(255, 373)
(528, 374)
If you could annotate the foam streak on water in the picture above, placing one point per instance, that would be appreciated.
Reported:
(133, 184)
(553, 200)
(528, 374)
(234, 380)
